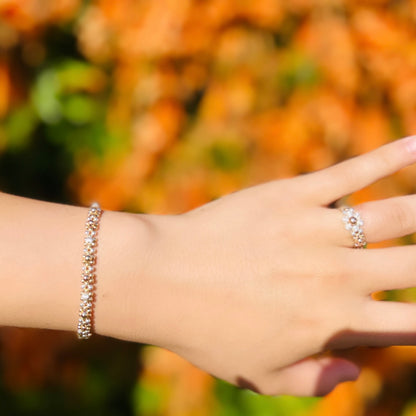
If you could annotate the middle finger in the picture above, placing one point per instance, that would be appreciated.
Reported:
(383, 220)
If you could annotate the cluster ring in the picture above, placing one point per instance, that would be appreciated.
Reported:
(354, 224)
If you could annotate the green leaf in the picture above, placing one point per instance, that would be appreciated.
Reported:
(45, 97)
(74, 75)
(80, 109)
(232, 400)
(297, 70)
(227, 155)
(19, 126)
(148, 400)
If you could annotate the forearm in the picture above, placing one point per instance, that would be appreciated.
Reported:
(41, 248)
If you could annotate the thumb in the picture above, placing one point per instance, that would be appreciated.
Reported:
(316, 376)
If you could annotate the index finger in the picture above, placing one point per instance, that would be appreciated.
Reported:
(353, 174)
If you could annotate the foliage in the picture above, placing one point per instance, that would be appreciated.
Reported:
(162, 106)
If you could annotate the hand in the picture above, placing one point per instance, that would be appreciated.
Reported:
(249, 287)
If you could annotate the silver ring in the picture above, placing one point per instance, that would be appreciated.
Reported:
(354, 224)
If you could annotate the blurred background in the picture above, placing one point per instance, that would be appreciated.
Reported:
(160, 106)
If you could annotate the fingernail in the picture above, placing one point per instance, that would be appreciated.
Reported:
(411, 144)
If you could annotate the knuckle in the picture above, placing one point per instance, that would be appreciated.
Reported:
(339, 269)
(382, 158)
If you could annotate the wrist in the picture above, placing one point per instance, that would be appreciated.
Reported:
(122, 256)
(135, 292)
(147, 286)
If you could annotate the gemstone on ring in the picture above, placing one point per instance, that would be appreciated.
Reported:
(354, 224)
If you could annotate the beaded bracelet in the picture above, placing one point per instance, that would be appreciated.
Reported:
(88, 280)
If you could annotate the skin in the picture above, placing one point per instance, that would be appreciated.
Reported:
(253, 288)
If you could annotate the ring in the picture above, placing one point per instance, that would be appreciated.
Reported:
(354, 224)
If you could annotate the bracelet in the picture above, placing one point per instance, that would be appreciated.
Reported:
(88, 280)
